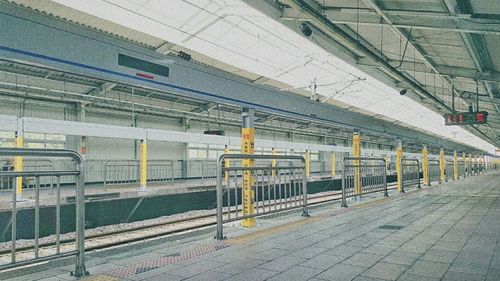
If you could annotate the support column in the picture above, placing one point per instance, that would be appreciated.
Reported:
(333, 164)
(356, 152)
(399, 170)
(455, 166)
(247, 147)
(425, 165)
(476, 164)
(442, 165)
(227, 163)
(143, 165)
(18, 165)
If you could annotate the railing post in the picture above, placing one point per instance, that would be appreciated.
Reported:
(305, 211)
(344, 201)
(18, 165)
(402, 190)
(356, 152)
(220, 234)
(418, 174)
(386, 193)
(143, 165)
(247, 148)
(273, 163)
(425, 166)
(442, 166)
(80, 218)
(455, 166)
(333, 164)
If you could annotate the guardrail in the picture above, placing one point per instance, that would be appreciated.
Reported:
(410, 173)
(274, 189)
(434, 173)
(449, 170)
(118, 172)
(79, 251)
(363, 175)
(461, 169)
(28, 165)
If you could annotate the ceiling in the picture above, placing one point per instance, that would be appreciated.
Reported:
(428, 47)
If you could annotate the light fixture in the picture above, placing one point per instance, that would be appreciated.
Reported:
(305, 29)
(403, 92)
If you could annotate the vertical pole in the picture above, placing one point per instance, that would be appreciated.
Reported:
(227, 163)
(80, 220)
(399, 170)
(18, 165)
(442, 165)
(143, 164)
(247, 147)
(356, 152)
(386, 163)
(470, 164)
(333, 164)
(425, 165)
(307, 156)
(455, 166)
(464, 159)
(273, 163)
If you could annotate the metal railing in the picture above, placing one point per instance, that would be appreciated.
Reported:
(79, 251)
(203, 169)
(116, 172)
(461, 169)
(449, 170)
(28, 165)
(410, 173)
(363, 175)
(274, 189)
(434, 173)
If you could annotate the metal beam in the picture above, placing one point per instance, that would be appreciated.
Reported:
(411, 19)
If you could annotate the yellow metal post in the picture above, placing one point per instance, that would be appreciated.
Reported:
(247, 147)
(442, 165)
(227, 163)
(143, 165)
(464, 159)
(307, 156)
(455, 166)
(425, 165)
(399, 170)
(18, 167)
(356, 152)
(273, 163)
(333, 164)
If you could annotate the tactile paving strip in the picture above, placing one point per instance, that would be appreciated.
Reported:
(166, 260)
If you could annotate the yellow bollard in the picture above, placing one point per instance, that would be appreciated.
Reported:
(442, 165)
(143, 165)
(356, 152)
(18, 167)
(455, 165)
(399, 157)
(248, 206)
(333, 164)
(425, 166)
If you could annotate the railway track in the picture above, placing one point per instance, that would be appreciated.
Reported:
(141, 233)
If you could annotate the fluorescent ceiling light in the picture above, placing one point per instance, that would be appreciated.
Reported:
(239, 35)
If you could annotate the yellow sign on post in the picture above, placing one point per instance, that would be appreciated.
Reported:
(333, 164)
(18, 167)
(227, 163)
(442, 165)
(399, 170)
(143, 165)
(455, 165)
(425, 166)
(356, 152)
(247, 147)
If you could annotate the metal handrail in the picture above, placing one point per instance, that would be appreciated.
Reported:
(221, 169)
(406, 162)
(80, 205)
(361, 165)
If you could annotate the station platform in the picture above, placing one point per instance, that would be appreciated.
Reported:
(444, 232)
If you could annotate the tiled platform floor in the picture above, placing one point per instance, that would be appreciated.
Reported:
(444, 232)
